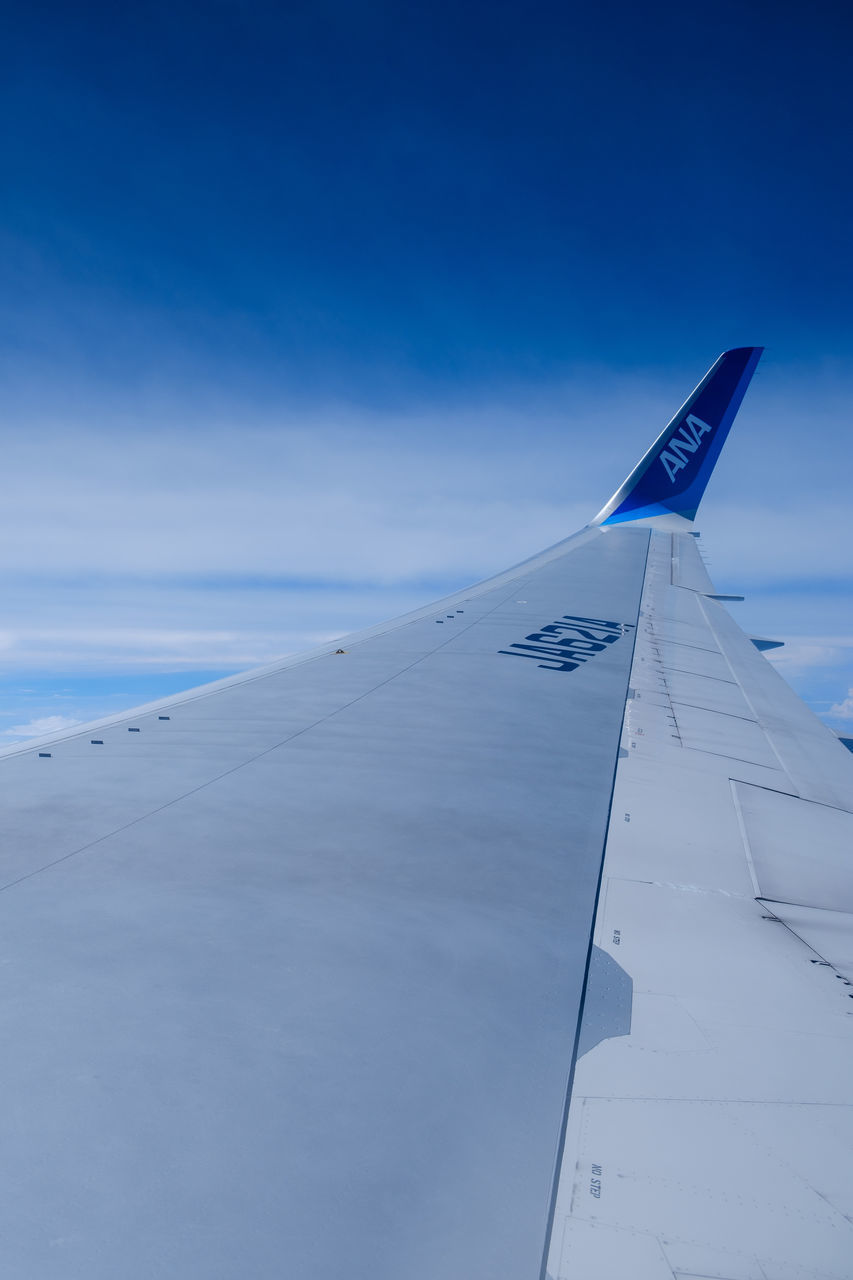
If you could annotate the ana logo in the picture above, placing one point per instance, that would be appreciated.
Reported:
(685, 441)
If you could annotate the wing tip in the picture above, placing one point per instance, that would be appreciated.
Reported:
(671, 477)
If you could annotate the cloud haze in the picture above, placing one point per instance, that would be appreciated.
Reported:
(174, 543)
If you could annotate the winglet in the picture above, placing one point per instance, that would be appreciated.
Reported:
(672, 476)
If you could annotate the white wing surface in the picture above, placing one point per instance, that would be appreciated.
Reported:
(711, 1128)
(306, 971)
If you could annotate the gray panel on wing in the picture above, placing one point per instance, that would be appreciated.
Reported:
(802, 852)
(828, 933)
(695, 661)
(607, 1003)
(705, 691)
(292, 979)
(724, 735)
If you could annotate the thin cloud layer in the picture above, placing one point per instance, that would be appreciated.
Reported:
(173, 539)
(41, 727)
(390, 497)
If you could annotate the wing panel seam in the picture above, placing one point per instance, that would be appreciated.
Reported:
(549, 1226)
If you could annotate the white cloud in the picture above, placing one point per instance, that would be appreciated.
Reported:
(805, 653)
(138, 649)
(358, 500)
(124, 539)
(41, 727)
(390, 496)
(843, 710)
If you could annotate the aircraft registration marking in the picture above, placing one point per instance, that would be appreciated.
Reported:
(570, 641)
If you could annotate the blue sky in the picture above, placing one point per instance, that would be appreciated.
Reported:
(311, 312)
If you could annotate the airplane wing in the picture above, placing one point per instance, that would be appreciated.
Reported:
(510, 938)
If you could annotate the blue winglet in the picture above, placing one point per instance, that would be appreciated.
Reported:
(672, 476)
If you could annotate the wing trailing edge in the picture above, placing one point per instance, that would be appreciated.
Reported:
(671, 478)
